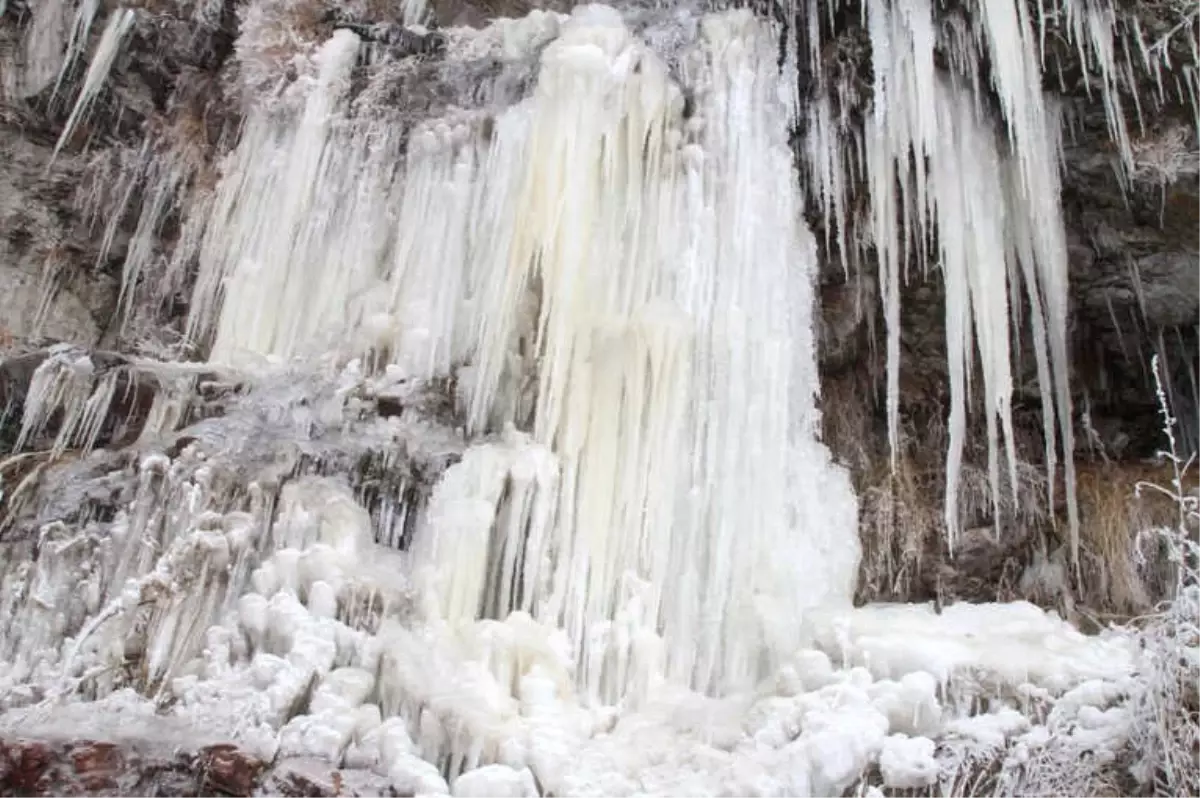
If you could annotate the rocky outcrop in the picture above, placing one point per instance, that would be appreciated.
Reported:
(31, 767)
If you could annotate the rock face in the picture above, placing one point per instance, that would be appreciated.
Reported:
(51, 288)
(88, 767)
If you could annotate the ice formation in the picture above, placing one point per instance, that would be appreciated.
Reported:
(120, 22)
(636, 576)
(658, 247)
(996, 215)
(992, 224)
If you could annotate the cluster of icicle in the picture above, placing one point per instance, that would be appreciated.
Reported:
(956, 185)
(630, 284)
(997, 216)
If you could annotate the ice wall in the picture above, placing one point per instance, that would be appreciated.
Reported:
(620, 272)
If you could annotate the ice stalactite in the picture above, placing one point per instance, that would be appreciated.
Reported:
(151, 181)
(81, 26)
(939, 171)
(67, 383)
(263, 298)
(120, 23)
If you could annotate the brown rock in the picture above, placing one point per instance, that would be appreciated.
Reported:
(97, 765)
(227, 770)
(23, 766)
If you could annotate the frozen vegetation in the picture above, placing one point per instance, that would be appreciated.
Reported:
(501, 473)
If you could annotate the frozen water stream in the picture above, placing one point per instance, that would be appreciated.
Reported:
(632, 573)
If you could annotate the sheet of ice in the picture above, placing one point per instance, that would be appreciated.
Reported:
(1000, 644)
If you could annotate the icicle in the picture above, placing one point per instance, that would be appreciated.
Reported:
(118, 27)
(996, 217)
(261, 261)
(168, 175)
(902, 43)
(85, 15)
(63, 381)
(1091, 25)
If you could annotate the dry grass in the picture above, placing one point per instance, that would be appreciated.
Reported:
(1121, 570)
(899, 525)
(905, 555)
(900, 515)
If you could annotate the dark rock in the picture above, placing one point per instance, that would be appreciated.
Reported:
(227, 770)
(30, 767)
(97, 765)
(24, 766)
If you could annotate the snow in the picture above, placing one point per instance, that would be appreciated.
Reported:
(1000, 644)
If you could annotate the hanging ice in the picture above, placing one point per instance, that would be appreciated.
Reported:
(995, 216)
(630, 284)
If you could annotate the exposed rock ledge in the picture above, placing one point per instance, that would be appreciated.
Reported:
(44, 766)
(67, 751)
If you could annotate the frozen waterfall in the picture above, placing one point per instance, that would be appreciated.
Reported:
(629, 284)
(505, 446)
